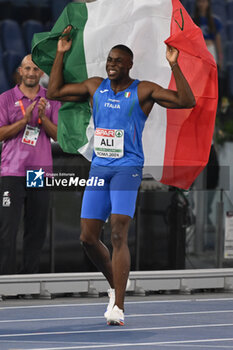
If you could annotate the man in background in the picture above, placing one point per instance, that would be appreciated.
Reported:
(27, 122)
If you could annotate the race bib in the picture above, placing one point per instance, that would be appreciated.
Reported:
(109, 143)
(31, 135)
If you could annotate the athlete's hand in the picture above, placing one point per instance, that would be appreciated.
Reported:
(28, 112)
(65, 42)
(172, 55)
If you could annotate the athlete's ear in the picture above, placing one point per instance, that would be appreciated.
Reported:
(130, 64)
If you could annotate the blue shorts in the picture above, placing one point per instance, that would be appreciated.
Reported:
(117, 196)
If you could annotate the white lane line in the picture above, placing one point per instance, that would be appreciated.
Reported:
(104, 303)
(65, 343)
(53, 319)
(127, 316)
(215, 299)
(114, 329)
(86, 304)
(198, 346)
(180, 342)
(60, 342)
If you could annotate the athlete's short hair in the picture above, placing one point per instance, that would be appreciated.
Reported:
(125, 49)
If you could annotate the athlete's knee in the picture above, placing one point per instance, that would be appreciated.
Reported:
(120, 226)
(118, 239)
(89, 232)
(87, 238)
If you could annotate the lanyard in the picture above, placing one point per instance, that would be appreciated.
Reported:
(23, 111)
(22, 107)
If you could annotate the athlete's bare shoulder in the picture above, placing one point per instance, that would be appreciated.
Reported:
(96, 79)
(146, 84)
(146, 88)
(93, 83)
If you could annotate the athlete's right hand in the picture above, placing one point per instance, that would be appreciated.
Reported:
(28, 112)
(65, 42)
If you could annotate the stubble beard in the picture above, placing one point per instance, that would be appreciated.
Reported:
(30, 85)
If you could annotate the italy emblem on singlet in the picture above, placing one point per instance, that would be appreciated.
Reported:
(109, 143)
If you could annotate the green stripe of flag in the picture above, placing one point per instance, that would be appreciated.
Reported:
(74, 118)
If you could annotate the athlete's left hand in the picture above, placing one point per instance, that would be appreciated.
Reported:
(172, 55)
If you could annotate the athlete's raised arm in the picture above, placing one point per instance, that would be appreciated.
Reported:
(57, 89)
(149, 92)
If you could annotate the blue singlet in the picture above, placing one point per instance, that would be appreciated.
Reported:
(122, 176)
(120, 111)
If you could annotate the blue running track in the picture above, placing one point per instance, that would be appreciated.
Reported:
(150, 323)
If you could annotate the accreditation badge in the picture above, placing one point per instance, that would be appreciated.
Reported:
(31, 135)
(109, 143)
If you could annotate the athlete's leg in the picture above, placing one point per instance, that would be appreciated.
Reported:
(94, 247)
(121, 256)
(124, 188)
(96, 208)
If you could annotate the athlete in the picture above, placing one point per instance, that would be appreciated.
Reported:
(120, 108)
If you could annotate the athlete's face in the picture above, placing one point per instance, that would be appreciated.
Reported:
(29, 72)
(118, 64)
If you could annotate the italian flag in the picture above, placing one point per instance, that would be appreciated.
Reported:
(176, 142)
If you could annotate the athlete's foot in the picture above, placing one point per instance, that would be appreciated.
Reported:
(116, 317)
(111, 303)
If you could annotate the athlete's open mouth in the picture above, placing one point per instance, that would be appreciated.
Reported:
(111, 71)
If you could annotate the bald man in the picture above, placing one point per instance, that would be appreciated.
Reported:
(27, 122)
